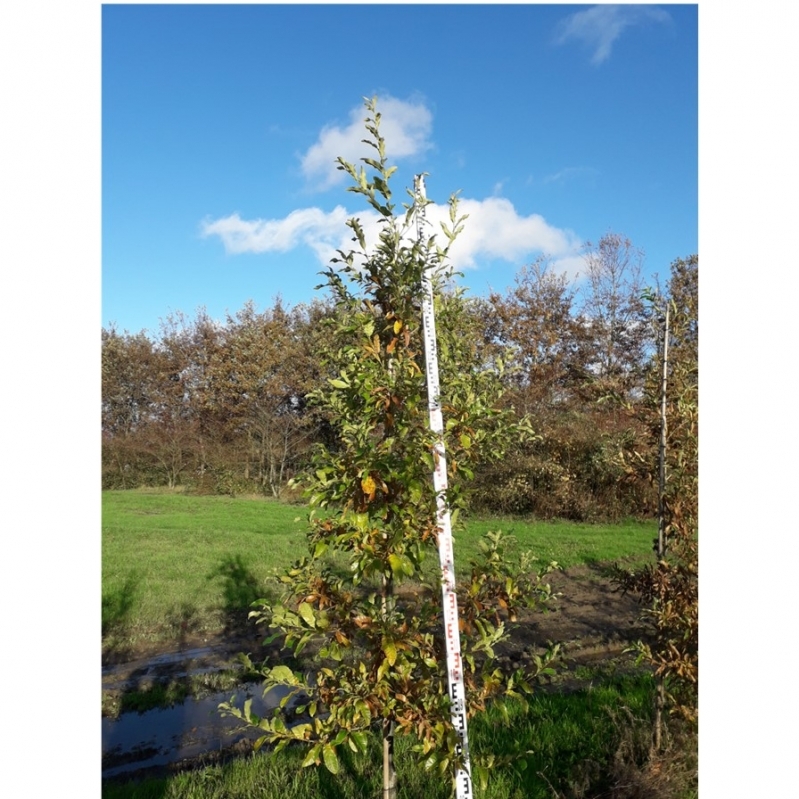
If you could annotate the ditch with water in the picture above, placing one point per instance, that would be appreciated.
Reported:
(189, 730)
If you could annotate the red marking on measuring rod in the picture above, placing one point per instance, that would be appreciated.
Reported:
(457, 692)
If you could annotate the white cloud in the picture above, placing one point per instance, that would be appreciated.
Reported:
(406, 127)
(600, 26)
(318, 229)
(494, 230)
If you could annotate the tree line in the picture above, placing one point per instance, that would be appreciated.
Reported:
(221, 407)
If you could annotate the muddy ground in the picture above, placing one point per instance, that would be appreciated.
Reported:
(593, 622)
(587, 612)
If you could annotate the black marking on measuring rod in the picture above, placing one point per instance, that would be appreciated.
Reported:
(457, 692)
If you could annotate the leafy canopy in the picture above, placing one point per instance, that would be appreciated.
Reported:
(376, 654)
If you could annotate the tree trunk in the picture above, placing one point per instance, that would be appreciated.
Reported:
(660, 698)
(660, 703)
(662, 448)
(389, 772)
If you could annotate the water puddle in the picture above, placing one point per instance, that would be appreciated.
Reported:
(167, 659)
(163, 736)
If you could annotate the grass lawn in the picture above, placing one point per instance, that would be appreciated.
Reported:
(569, 543)
(175, 564)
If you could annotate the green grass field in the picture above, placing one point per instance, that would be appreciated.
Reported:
(175, 564)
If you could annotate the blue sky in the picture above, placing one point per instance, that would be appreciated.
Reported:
(221, 125)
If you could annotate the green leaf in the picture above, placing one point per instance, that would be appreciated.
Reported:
(336, 383)
(390, 651)
(330, 758)
(363, 709)
(320, 549)
(300, 730)
(395, 561)
(281, 744)
(282, 674)
(306, 611)
(340, 738)
(279, 725)
(466, 441)
(310, 758)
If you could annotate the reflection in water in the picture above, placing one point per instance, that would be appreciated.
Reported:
(196, 727)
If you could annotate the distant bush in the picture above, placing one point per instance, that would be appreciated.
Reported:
(578, 477)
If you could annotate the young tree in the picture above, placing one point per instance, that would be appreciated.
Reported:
(669, 589)
(379, 661)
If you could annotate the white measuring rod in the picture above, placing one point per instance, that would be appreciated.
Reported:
(457, 692)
